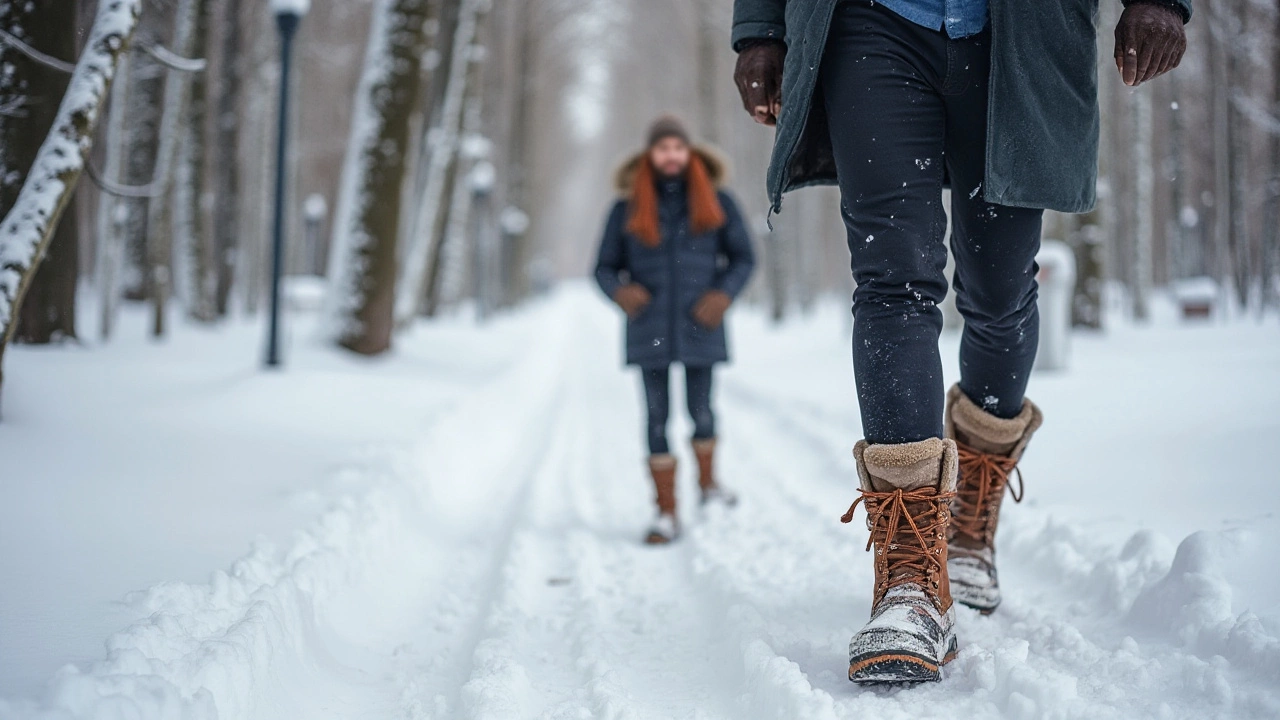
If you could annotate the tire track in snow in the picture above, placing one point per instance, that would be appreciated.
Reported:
(621, 633)
(437, 681)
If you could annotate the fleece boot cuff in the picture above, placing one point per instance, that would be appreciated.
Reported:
(907, 466)
(969, 424)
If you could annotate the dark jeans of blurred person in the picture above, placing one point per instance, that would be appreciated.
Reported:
(657, 393)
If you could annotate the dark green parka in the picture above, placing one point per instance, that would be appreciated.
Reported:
(1042, 122)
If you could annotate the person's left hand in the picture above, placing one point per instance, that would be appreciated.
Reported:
(1150, 41)
(710, 310)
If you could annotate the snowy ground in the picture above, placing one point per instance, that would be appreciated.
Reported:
(451, 532)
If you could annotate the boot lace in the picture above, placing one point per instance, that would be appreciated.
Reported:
(983, 478)
(921, 515)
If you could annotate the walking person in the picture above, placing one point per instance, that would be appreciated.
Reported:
(893, 100)
(674, 255)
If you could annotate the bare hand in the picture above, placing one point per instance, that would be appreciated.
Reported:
(633, 299)
(1150, 41)
(759, 79)
(710, 310)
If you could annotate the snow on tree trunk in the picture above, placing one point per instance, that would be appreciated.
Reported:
(447, 283)
(28, 226)
(33, 89)
(443, 138)
(48, 312)
(367, 222)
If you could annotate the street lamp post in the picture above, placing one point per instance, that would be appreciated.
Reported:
(288, 15)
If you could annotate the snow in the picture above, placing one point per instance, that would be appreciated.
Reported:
(452, 531)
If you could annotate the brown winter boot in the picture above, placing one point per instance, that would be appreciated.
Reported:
(666, 526)
(907, 490)
(712, 491)
(989, 448)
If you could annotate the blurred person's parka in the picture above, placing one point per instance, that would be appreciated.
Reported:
(679, 239)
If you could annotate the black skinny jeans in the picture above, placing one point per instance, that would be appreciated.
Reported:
(908, 109)
(657, 393)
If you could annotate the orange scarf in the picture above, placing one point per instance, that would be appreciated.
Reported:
(705, 213)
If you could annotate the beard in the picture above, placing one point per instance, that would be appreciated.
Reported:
(671, 171)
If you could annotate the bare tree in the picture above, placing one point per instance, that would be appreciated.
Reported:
(31, 218)
(191, 188)
(438, 175)
(1143, 206)
(1271, 249)
(160, 221)
(226, 166)
(43, 44)
(367, 227)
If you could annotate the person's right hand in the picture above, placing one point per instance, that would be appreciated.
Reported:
(633, 299)
(759, 79)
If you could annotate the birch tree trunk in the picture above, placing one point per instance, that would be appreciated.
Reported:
(442, 141)
(142, 109)
(1220, 97)
(160, 212)
(110, 227)
(367, 225)
(193, 230)
(33, 89)
(515, 241)
(1144, 200)
(1271, 238)
(451, 258)
(1237, 147)
(30, 219)
(226, 168)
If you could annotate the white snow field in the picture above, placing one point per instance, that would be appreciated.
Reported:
(453, 532)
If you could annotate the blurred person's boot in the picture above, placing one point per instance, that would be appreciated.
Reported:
(989, 449)
(666, 526)
(704, 449)
(907, 490)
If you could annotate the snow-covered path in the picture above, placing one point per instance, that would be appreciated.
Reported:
(490, 568)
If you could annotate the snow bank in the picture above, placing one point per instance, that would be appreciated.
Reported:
(206, 651)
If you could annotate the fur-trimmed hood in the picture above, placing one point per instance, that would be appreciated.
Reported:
(717, 168)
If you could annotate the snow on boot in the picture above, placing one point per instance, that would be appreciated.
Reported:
(712, 491)
(907, 490)
(666, 526)
(989, 448)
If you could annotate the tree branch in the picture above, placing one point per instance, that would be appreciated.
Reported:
(42, 58)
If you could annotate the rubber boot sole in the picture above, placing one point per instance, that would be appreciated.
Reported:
(898, 667)
(656, 538)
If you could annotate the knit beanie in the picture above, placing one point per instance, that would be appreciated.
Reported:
(665, 127)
